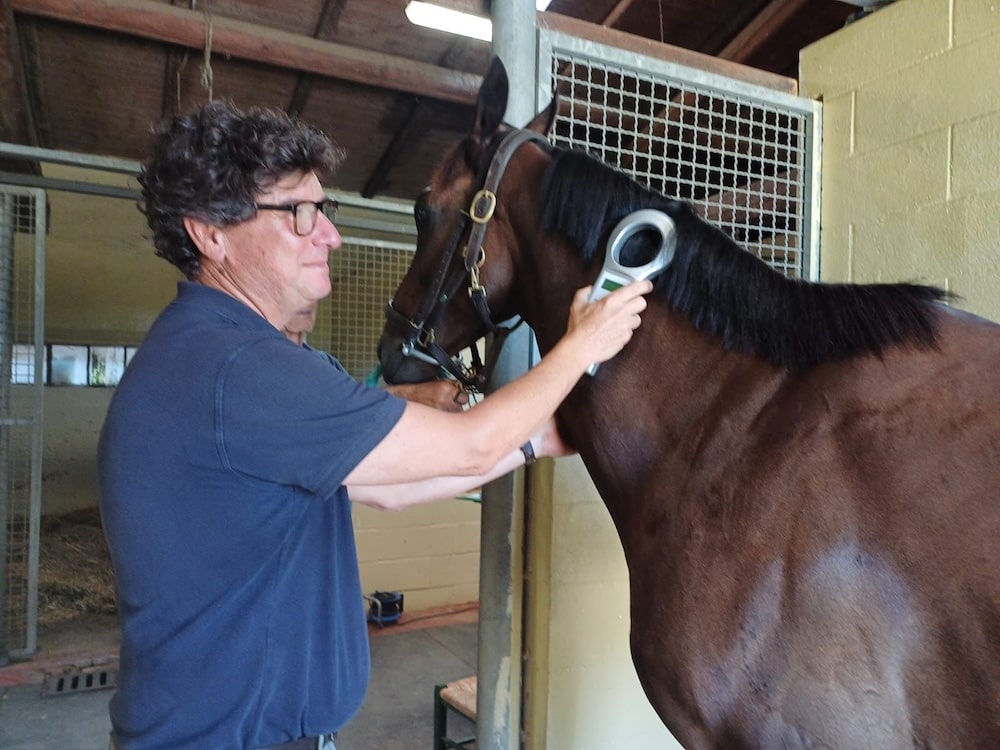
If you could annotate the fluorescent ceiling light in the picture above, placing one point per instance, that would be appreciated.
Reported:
(453, 21)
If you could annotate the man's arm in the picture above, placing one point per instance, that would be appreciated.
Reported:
(547, 442)
(428, 443)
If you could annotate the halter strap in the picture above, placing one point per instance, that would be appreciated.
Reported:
(484, 202)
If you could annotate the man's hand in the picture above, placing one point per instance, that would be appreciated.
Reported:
(548, 441)
(443, 394)
(602, 328)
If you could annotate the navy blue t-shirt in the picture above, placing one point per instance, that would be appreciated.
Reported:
(221, 465)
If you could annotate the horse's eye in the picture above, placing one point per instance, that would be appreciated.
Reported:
(422, 215)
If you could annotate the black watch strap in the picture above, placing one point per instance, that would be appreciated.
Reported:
(529, 453)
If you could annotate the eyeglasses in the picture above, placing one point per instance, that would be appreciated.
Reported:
(304, 213)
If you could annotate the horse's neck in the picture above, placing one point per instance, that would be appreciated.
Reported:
(647, 408)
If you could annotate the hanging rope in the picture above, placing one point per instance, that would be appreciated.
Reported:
(207, 76)
(660, 4)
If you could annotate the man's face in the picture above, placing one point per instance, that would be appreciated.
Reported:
(279, 271)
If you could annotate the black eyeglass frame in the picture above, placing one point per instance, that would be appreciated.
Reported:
(328, 207)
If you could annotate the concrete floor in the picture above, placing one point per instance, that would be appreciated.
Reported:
(408, 660)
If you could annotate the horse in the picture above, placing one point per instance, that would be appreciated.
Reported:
(804, 477)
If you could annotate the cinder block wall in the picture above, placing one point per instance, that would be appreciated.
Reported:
(582, 688)
(429, 552)
(911, 147)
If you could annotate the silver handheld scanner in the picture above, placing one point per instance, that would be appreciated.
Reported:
(614, 274)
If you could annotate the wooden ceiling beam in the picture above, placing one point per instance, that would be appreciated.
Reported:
(326, 28)
(764, 26)
(165, 23)
(415, 125)
(611, 20)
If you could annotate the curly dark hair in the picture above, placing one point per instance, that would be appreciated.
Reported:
(213, 163)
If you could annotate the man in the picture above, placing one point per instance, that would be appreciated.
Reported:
(230, 454)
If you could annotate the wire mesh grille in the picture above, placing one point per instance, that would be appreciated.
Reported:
(741, 162)
(365, 275)
(19, 501)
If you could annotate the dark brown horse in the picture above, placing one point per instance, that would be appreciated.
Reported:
(805, 478)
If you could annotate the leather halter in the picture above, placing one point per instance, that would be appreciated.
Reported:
(420, 341)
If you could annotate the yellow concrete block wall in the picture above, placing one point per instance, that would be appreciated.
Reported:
(429, 552)
(911, 148)
(583, 671)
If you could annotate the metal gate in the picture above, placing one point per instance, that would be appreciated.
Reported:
(349, 322)
(22, 377)
(746, 156)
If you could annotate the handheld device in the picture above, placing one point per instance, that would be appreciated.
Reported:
(614, 274)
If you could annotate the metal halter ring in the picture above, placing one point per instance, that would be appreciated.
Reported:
(479, 261)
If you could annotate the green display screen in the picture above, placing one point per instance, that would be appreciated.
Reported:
(611, 285)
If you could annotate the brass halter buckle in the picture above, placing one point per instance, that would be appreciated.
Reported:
(489, 207)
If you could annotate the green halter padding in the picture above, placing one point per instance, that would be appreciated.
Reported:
(373, 376)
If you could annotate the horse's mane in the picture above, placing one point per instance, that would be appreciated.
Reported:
(729, 294)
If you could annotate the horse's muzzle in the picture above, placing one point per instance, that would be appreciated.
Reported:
(402, 363)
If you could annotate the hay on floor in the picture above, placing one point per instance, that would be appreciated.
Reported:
(75, 578)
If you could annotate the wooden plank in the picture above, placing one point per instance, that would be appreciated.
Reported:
(461, 695)
(171, 25)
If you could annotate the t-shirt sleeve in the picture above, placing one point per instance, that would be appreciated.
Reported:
(285, 415)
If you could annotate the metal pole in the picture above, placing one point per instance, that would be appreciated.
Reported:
(6, 350)
(498, 703)
(37, 424)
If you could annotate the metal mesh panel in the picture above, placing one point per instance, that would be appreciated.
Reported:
(742, 161)
(365, 274)
(21, 302)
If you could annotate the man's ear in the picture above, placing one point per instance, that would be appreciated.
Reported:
(210, 240)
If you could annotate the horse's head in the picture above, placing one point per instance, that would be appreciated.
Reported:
(457, 288)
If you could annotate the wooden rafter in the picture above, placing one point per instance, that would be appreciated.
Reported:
(153, 20)
(414, 125)
(761, 28)
(611, 19)
(326, 29)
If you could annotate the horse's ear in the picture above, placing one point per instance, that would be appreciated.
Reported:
(491, 104)
(542, 122)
